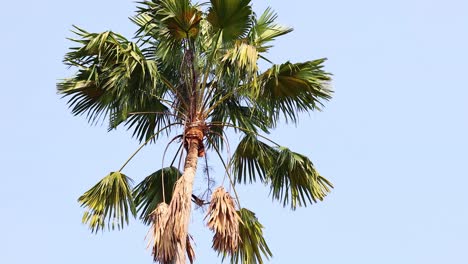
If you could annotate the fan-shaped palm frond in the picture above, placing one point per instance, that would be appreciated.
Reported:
(151, 191)
(108, 203)
(253, 158)
(252, 246)
(236, 113)
(244, 117)
(295, 181)
(241, 60)
(289, 89)
(113, 80)
(265, 29)
(231, 17)
(292, 177)
(164, 25)
(180, 18)
(153, 118)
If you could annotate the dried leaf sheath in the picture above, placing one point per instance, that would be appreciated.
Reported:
(163, 252)
(176, 229)
(224, 221)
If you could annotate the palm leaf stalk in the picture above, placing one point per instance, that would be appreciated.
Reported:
(194, 68)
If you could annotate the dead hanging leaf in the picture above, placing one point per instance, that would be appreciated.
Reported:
(173, 232)
(178, 217)
(224, 221)
(189, 249)
(163, 251)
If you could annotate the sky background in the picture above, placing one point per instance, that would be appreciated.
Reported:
(393, 140)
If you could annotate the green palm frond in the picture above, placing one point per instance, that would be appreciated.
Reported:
(145, 125)
(180, 18)
(233, 109)
(208, 42)
(176, 19)
(145, 21)
(151, 32)
(215, 138)
(265, 30)
(231, 17)
(237, 113)
(288, 89)
(295, 181)
(108, 203)
(149, 192)
(292, 177)
(152, 117)
(239, 63)
(243, 56)
(253, 158)
(114, 79)
(237, 121)
(163, 25)
(252, 245)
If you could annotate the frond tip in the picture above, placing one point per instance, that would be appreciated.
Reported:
(252, 245)
(108, 203)
(292, 177)
(295, 181)
(291, 88)
(224, 221)
(113, 80)
(253, 158)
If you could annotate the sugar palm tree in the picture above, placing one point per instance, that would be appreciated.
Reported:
(193, 69)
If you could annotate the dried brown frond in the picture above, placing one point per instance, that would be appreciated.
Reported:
(179, 206)
(174, 235)
(224, 221)
(189, 249)
(163, 251)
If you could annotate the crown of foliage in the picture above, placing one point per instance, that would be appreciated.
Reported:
(197, 65)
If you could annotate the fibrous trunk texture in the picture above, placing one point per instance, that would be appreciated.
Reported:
(180, 206)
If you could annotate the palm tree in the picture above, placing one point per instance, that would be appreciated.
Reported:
(194, 68)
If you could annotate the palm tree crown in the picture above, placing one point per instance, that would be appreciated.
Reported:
(194, 68)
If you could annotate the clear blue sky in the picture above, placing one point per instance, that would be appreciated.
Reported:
(393, 140)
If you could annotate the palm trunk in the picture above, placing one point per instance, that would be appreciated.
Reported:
(180, 206)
